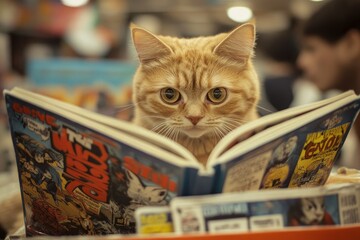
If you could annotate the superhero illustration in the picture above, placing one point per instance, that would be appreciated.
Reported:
(40, 163)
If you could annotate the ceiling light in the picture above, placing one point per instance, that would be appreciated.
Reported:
(239, 14)
(74, 3)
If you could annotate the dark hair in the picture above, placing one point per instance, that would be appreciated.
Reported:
(333, 20)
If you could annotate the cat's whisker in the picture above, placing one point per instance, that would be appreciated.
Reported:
(122, 108)
(158, 127)
(219, 132)
(263, 108)
(151, 116)
(227, 127)
(235, 122)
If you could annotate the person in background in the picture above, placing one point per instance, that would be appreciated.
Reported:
(330, 58)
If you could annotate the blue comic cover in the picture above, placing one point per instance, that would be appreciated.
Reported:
(276, 209)
(75, 180)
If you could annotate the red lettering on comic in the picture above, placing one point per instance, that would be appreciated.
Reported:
(86, 168)
(34, 113)
(147, 173)
(331, 142)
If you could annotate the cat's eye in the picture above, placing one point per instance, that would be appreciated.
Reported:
(216, 95)
(170, 95)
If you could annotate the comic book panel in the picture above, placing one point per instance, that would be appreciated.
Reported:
(154, 220)
(303, 157)
(77, 181)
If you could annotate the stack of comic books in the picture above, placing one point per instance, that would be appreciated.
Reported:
(84, 173)
(254, 211)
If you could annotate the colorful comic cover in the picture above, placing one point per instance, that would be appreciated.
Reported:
(75, 180)
(301, 157)
(266, 210)
(153, 220)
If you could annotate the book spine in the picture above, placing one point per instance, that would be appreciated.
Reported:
(201, 185)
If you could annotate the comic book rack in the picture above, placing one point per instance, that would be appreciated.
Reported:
(318, 233)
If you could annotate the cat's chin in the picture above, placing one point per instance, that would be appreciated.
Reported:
(194, 132)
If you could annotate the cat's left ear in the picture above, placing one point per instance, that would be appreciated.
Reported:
(238, 45)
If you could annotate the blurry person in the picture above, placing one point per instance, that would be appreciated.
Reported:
(330, 57)
(283, 86)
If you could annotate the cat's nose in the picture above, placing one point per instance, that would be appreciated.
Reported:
(194, 119)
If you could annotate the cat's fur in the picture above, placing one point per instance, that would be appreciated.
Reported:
(193, 67)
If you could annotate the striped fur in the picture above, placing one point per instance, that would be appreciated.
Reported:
(193, 67)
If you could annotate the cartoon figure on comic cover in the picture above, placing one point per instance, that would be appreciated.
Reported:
(309, 211)
(142, 195)
(278, 170)
(318, 154)
(39, 162)
(189, 221)
(129, 192)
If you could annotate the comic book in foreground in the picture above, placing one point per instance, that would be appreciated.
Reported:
(76, 180)
(88, 173)
(267, 210)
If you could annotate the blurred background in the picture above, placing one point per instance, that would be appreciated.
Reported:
(80, 51)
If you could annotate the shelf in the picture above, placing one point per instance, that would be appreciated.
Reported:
(318, 233)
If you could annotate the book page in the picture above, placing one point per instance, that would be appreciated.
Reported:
(252, 128)
(300, 152)
(73, 171)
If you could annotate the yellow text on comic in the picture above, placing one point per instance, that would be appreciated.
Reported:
(317, 156)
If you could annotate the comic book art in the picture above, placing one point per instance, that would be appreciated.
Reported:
(76, 181)
(231, 215)
(154, 220)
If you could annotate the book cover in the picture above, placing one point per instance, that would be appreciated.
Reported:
(272, 210)
(298, 153)
(75, 180)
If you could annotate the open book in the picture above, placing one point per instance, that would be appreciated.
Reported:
(90, 172)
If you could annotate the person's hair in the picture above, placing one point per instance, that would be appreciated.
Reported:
(334, 19)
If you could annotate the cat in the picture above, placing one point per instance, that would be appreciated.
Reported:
(309, 211)
(194, 91)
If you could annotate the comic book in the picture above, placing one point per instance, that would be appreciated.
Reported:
(267, 210)
(85, 173)
(153, 220)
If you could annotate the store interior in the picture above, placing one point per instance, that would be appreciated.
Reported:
(81, 52)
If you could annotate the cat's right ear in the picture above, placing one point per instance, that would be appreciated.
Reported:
(148, 46)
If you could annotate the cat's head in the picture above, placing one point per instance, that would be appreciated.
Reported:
(197, 86)
(313, 210)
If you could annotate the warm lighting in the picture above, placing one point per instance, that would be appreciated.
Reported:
(239, 14)
(316, 0)
(74, 3)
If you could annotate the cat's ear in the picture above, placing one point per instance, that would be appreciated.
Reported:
(148, 46)
(238, 45)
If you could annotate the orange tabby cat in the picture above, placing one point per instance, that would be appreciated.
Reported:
(196, 90)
